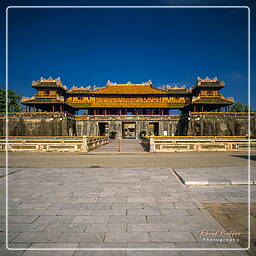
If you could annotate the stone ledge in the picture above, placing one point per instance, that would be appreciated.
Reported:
(205, 176)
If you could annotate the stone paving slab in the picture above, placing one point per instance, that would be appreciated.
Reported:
(215, 175)
(9, 171)
(103, 207)
(224, 194)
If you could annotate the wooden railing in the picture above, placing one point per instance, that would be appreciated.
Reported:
(198, 143)
(52, 143)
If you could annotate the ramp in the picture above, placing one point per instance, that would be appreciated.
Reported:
(121, 146)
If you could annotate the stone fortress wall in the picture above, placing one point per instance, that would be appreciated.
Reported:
(220, 124)
(38, 124)
(193, 124)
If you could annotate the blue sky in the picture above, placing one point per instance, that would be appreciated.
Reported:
(90, 46)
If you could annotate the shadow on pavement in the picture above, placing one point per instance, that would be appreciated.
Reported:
(253, 157)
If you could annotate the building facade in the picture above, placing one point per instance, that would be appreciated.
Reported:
(128, 110)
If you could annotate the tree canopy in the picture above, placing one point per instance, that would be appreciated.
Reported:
(240, 107)
(13, 101)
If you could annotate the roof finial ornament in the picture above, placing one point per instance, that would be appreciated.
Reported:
(109, 82)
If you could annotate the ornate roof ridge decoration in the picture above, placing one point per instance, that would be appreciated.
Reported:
(80, 88)
(176, 88)
(207, 79)
(27, 99)
(50, 81)
(208, 82)
(129, 83)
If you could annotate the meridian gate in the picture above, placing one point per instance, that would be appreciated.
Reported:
(128, 110)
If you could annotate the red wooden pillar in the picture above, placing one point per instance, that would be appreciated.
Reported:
(194, 108)
(94, 111)
(228, 109)
(61, 109)
(202, 108)
(53, 109)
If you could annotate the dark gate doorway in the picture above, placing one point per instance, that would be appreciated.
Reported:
(129, 130)
(103, 129)
(153, 129)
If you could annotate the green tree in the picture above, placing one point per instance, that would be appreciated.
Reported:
(240, 107)
(13, 101)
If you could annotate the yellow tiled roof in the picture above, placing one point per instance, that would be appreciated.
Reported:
(129, 89)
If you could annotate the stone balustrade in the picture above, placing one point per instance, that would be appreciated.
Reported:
(52, 143)
(198, 143)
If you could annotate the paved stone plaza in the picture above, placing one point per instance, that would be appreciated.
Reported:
(107, 207)
(121, 199)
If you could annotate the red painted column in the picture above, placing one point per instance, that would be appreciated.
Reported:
(53, 109)
(202, 108)
(194, 108)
